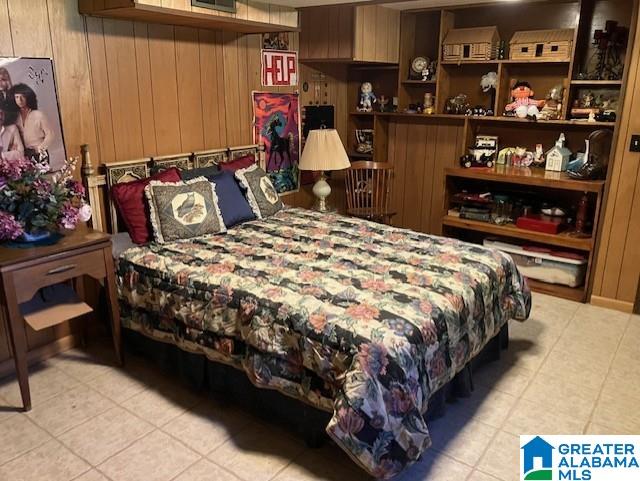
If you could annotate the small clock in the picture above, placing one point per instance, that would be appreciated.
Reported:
(420, 69)
(418, 64)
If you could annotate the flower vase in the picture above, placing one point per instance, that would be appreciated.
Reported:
(33, 237)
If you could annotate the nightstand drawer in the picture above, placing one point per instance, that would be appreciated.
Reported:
(27, 281)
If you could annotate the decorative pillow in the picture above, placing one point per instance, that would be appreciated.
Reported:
(131, 205)
(239, 163)
(182, 210)
(261, 194)
(233, 205)
(207, 172)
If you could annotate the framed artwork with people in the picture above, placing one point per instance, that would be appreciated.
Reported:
(30, 124)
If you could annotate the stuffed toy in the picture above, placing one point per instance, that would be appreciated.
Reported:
(523, 105)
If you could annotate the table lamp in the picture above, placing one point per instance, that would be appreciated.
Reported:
(323, 151)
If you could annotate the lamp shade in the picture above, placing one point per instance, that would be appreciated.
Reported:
(324, 151)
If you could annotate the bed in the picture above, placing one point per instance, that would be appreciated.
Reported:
(360, 320)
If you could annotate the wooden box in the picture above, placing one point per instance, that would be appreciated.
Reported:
(550, 45)
(470, 44)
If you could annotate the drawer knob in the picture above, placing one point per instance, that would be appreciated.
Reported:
(61, 269)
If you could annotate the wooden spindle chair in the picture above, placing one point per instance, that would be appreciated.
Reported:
(368, 186)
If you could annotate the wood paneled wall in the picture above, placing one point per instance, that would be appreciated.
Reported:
(162, 90)
(368, 33)
(132, 90)
(420, 151)
(377, 34)
(617, 276)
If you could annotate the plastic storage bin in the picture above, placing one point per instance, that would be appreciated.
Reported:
(549, 266)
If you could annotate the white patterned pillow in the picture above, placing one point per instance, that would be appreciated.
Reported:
(261, 194)
(182, 210)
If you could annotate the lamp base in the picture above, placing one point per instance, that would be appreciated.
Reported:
(322, 190)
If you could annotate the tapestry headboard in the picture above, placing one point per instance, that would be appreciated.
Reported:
(99, 180)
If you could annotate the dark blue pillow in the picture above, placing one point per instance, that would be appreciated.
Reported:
(199, 172)
(233, 204)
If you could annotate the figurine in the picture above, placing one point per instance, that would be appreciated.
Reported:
(558, 157)
(428, 107)
(502, 50)
(505, 155)
(523, 105)
(367, 98)
(596, 158)
(458, 105)
(522, 157)
(553, 104)
(383, 101)
(488, 84)
(538, 156)
(587, 101)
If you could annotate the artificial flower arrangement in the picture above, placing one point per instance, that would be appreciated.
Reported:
(35, 203)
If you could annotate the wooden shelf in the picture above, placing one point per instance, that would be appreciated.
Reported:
(528, 176)
(535, 61)
(138, 12)
(422, 116)
(597, 83)
(570, 123)
(362, 114)
(510, 230)
(512, 120)
(577, 294)
(418, 82)
(357, 155)
(504, 62)
(375, 66)
(470, 62)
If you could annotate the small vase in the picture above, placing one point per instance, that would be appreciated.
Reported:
(32, 237)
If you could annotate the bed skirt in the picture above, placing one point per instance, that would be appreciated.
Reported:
(232, 386)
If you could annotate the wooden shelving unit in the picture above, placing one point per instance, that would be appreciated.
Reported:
(426, 148)
(529, 177)
(539, 183)
(139, 12)
(572, 293)
(510, 230)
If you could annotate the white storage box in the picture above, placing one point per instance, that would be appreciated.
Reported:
(543, 266)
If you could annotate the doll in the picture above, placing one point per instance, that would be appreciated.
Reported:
(523, 105)
(367, 98)
(553, 104)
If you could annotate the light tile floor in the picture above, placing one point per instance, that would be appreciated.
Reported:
(570, 368)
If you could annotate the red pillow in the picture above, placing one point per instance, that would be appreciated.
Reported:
(132, 206)
(239, 163)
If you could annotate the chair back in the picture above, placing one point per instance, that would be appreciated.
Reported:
(368, 186)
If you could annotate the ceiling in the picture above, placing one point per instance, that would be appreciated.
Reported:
(402, 5)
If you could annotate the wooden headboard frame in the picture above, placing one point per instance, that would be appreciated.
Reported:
(101, 179)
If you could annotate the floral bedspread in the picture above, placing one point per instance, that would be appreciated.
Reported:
(356, 318)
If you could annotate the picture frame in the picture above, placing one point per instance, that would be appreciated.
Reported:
(29, 104)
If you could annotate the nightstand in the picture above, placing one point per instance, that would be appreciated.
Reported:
(24, 272)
